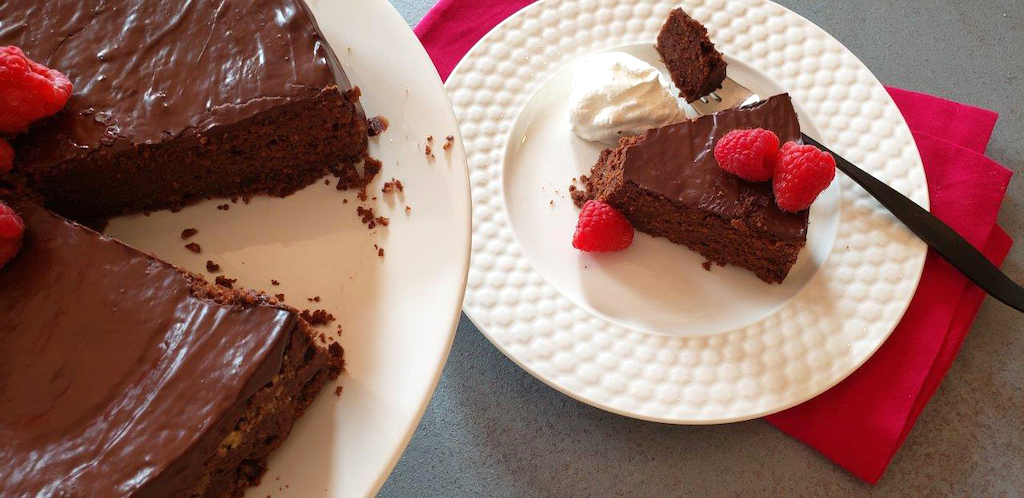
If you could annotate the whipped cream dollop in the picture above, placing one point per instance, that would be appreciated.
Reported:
(614, 95)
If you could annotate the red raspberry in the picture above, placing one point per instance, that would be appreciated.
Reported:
(28, 91)
(748, 154)
(11, 231)
(6, 157)
(804, 171)
(602, 229)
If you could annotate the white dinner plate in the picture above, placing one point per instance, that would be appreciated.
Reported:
(398, 312)
(647, 332)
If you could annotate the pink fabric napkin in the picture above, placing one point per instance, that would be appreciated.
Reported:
(861, 422)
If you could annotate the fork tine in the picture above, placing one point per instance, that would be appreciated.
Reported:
(732, 94)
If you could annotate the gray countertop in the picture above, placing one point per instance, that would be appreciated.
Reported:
(493, 430)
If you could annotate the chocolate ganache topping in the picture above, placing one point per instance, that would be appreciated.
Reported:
(148, 71)
(678, 162)
(114, 379)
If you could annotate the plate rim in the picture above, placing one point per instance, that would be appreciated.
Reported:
(426, 396)
(915, 278)
(467, 245)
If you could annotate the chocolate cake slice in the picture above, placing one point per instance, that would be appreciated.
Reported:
(697, 69)
(667, 183)
(121, 375)
(177, 102)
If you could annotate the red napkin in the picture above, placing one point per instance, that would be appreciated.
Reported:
(861, 422)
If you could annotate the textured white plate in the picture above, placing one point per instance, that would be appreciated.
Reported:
(647, 332)
(399, 313)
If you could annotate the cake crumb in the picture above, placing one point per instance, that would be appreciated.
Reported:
(349, 177)
(225, 281)
(370, 219)
(234, 200)
(448, 142)
(429, 148)
(314, 299)
(188, 233)
(380, 252)
(344, 201)
(392, 186)
(706, 265)
(365, 215)
(335, 350)
(371, 166)
(224, 207)
(362, 194)
(376, 125)
(212, 267)
(551, 202)
(317, 317)
(274, 282)
(408, 210)
(246, 198)
(192, 246)
(280, 297)
(337, 391)
(327, 181)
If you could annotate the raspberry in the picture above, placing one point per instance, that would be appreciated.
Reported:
(602, 229)
(6, 157)
(11, 231)
(748, 154)
(28, 91)
(803, 172)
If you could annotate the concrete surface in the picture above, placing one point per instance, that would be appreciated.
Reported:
(493, 430)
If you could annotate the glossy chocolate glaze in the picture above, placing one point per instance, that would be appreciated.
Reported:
(112, 374)
(678, 162)
(146, 71)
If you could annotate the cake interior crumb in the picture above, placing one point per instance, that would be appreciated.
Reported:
(317, 317)
(225, 281)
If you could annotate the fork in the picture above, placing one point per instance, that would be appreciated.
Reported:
(950, 245)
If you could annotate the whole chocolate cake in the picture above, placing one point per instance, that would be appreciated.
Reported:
(180, 101)
(667, 183)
